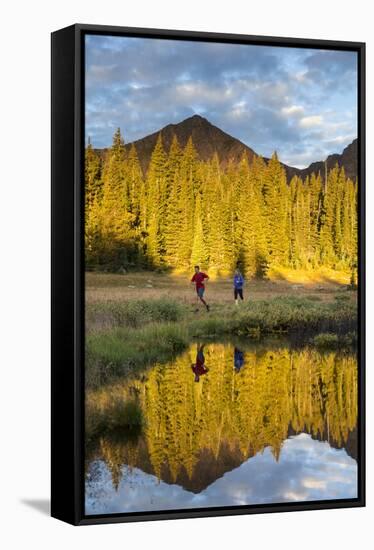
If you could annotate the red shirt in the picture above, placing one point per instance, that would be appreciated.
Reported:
(198, 278)
(199, 369)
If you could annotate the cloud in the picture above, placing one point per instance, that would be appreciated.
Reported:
(293, 110)
(267, 97)
(311, 121)
(339, 140)
(307, 470)
(334, 67)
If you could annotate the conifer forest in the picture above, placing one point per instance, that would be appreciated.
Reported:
(184, 211)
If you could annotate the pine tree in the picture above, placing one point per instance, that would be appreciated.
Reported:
(156, 204)
(115, 220)
(314, 185)
(136, 204)
(173, 210)
(215, 215)
(93, 193)
(198, 253)
(92, 175)
(189, 184)
(328, 222)
(276, 203)
(252, 223)
(135, 184)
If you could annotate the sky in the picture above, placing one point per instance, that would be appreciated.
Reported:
(307, 470)
(299, 102)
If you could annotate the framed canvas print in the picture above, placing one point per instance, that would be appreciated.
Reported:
(207, 274)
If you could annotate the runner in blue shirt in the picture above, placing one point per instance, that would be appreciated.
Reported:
(238, 285)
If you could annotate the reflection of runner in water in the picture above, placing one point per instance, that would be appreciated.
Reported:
(199, 367)
(238, 359)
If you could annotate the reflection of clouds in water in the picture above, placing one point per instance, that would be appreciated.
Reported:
(307, 470)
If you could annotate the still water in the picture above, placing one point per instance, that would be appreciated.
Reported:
(224, 425)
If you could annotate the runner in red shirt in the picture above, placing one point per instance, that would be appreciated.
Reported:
(199, 367)
(198, 280)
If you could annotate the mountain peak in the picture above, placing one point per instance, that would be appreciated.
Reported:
(346, 159)
(193, 120)
(196, 117)
(208, 139)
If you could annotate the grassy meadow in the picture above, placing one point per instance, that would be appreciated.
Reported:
(137, 319)
(111, 287)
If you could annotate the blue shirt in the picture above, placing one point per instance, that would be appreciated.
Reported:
(238, 358)
(238, 281)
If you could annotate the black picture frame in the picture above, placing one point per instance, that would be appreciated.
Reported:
(67, 387)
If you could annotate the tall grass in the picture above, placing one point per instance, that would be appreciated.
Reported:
(121, 351)
(282, 315)
(133, 314)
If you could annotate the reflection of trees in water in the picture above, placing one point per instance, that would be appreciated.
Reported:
(230, 416)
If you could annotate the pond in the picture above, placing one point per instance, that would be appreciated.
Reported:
(225, 424)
